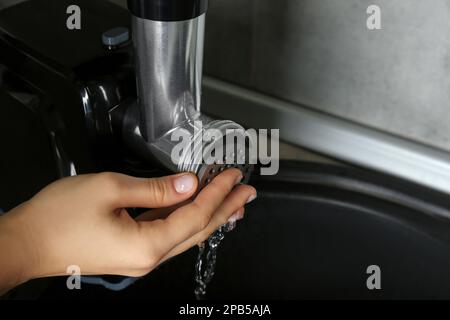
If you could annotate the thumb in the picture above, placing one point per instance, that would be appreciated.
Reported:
(155, 192)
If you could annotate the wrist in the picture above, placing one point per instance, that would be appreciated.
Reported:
(17, 258)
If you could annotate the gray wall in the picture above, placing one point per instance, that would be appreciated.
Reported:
(320, 53)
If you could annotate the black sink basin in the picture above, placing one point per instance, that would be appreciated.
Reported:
(312, 233)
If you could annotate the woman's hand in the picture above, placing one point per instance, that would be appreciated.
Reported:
(82, 221)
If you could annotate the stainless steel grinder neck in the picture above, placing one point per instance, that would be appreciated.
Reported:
(168, 37)
(168, 41)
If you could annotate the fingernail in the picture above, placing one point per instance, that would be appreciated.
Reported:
(251, 198)
(239, 215)
(184, 184)
(239, 179)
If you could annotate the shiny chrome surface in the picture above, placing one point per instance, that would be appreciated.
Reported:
(169, 59)
(169, 72)
(199, 160)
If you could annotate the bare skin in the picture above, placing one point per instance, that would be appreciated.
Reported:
(82, 221)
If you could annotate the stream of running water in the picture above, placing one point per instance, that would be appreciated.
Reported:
(206, 259)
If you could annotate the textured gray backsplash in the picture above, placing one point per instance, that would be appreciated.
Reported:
(321, 54)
